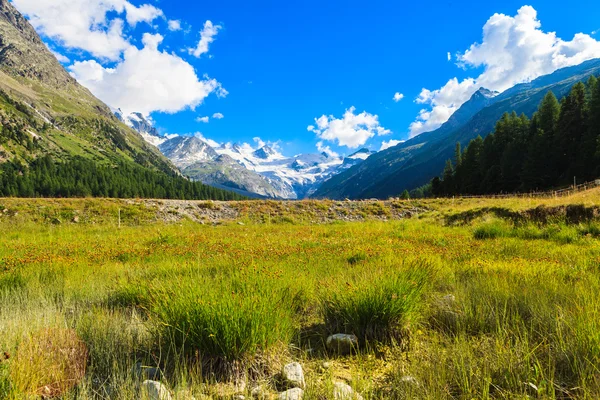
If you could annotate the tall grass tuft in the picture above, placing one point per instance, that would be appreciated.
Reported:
(49, 363)
(230, 324)
(379, 310)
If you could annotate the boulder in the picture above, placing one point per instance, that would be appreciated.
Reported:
(155, 390)
(293, 375)
(292, 394)
(342, 343)
(341, 391)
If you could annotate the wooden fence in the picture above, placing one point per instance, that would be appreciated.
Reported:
(547, 194)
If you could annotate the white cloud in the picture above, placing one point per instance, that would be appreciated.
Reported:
(514, 49)
(60, 57)
(84, 24)
(390, 143)
(218, 116)
(353, 130)
(174, 25)
(443, 103)
(208, 141)
(147, 80)
(449, 56)
(203, 119)
(207, 36)
(144, 13)
(398, 96)
(326, 149)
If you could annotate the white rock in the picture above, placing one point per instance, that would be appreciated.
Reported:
(293, 375)
(259, 393)
(155, 390)
(409, 380)
(341, 391)
(292, 394)
(342, 343)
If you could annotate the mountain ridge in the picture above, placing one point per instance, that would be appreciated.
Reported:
(416, 161)
(262, 172)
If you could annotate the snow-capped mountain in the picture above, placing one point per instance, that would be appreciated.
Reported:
(145, 128)
(263, 171)
(187, 150)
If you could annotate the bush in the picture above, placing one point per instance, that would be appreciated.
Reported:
(380, 310)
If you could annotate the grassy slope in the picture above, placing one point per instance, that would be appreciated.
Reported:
(523, 321)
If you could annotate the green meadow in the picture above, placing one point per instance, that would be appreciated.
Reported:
(468, 299)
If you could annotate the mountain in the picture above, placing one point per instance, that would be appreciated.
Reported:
(416, 161)
(57, 139)
(60, 115)
(184, 151)
(262, 172)
(226, 173)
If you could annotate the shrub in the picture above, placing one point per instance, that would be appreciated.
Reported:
(380, 310)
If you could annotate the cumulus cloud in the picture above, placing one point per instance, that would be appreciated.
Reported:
(449, 56)
(398, 96)
(352, 130)
(391, 143)
(174, 25)
(144, 13)
(514, 49)
(146, 80)
(326, 149)
(443, 103)
(84, 24)
(203, 119)
(218, 116)
(207, 36)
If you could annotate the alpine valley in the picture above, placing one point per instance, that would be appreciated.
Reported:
(262, 172)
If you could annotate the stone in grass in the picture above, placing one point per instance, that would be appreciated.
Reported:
(341, 391)
(259, 392)
(147, 373)
(342, 343)
(292, 394)
(293, 375)
(155, 390)
(411, 380)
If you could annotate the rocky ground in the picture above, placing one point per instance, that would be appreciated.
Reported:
(281, 211)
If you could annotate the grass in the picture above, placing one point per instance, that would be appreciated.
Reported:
(378, 310)
(481, 308)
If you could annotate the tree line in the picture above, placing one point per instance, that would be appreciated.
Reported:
(79, 177)
(559, 143)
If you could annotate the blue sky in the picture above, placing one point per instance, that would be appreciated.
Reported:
(273, 67)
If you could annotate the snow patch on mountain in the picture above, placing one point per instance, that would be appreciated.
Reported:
(283, 177)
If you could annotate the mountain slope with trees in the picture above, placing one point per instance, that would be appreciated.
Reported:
(557, 146)
(415, 162)
(47, 118)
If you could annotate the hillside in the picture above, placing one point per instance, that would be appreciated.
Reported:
(416, 161)
(44, 112)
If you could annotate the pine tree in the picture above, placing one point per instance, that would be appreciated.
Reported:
(590, 145)
(571, 127)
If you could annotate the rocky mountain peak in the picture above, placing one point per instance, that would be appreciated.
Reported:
(22, 52)
(264, 153)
